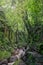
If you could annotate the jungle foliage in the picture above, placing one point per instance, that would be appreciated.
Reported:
(21, 24)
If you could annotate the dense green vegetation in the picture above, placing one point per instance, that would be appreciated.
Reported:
(17, 62)
(4, 54)
(21, 24)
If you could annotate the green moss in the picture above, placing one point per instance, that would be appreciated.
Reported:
(4, 54)
(17, 62)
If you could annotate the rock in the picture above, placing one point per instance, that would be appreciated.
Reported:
(21, 63)
(21, 54)
(39, 59)
(35, 58)
(4, 62)
(13, 59)
(11, 63)
(39, 63)
(35, 54)
(0, 62)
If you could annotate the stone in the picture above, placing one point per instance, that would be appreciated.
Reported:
(4, 62)
(21, 63)
(13, 59)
